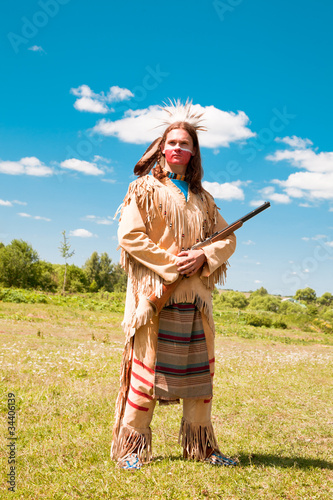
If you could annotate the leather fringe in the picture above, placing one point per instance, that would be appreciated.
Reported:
(197, 440)
(157, 201)
(130, 440)
(125, 377)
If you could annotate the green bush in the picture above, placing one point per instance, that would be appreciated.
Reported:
(260, 292)
(76, 282)
(256, 320)
(265, 303)
(326, 299)
(327, 314)
(279, 323)
(312, 310)
(22, 296)
(287, 307)
(307, 295)
(325, 326)
(19, 265)
(232, 299)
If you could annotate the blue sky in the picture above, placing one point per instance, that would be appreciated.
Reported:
(80, 84)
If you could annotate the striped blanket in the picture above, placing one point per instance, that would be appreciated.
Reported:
(182, 365)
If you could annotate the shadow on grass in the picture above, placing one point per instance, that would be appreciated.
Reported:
(283, 461)
(261, 460)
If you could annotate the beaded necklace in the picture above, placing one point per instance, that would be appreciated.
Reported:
(171, 175)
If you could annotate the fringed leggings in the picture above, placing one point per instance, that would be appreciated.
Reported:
(132, 432)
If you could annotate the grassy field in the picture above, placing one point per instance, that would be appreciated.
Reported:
(273, 409)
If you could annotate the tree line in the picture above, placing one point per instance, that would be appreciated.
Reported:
(21, 267)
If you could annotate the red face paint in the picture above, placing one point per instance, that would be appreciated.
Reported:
(177, 156)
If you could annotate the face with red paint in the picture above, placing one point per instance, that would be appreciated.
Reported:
(178, 149)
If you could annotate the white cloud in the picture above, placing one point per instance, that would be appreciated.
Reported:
(26, 166)
(315, 182)
(36, 217)
(6, 203)
(309, 185)
(329, 243)
(98, 103)
(306, 205)
(81, 233)
(101, 159)
(111, 181)
(295, 142)
(117, 94)
(90, 105)
(37, 48)
(270, 194)
(307, 159)
(257, 281)
(315, 238)
(85, 167)
(144, 125)
(256, 203)
(248, 242)
(136, 127)
(105, 221)
(17, 202)
(227, 191)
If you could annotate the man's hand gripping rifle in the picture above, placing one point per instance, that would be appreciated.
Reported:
(159, 302)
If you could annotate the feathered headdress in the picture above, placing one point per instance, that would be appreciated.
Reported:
(176, 112)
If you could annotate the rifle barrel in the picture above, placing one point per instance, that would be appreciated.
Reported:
(256, 211)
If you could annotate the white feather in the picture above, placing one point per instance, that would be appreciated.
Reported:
(178, 112)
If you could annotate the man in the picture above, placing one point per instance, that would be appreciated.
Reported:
(169, 356)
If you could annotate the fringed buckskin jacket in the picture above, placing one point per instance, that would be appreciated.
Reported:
(156, 223)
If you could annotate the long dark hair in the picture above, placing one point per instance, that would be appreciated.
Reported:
(194, 170)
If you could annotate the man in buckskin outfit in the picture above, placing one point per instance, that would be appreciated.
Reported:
(169, 356)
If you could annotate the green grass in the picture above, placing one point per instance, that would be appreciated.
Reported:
(272, 409)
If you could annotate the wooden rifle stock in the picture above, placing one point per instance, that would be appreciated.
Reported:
(167, 290)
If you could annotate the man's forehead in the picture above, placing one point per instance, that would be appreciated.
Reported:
(178, 133)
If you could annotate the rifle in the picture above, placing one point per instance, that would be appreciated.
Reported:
(167, 290)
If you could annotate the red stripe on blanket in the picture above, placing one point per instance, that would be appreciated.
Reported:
(179, 371)
(135, 375)
(212, 360)
(181, 306)
(207, 400)
(164, 336)
(137, 362)
(137, 407)
(139, 393)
